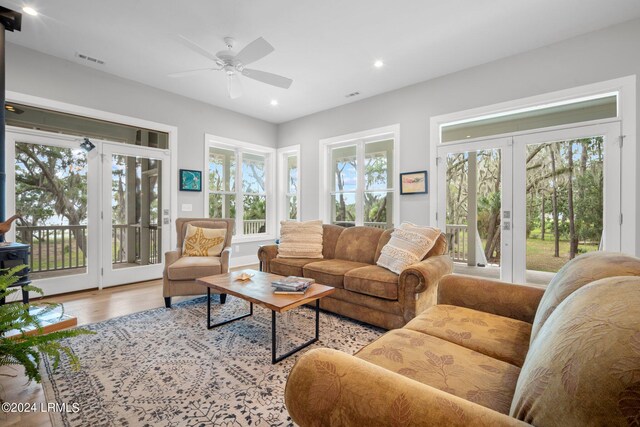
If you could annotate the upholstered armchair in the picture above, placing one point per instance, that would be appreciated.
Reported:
(181, 272)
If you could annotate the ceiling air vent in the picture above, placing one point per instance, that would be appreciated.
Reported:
(352, 94)
(89, 58)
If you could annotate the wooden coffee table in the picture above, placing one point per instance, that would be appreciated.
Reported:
(258, 290)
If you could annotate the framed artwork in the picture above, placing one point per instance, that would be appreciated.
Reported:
(413, 182)
(190, 180)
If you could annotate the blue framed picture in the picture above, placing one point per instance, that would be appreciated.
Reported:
(413, 182)
(190, 180)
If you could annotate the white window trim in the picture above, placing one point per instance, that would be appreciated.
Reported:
(350, 139)
(283, 153)
(270, 165)
(626, 89)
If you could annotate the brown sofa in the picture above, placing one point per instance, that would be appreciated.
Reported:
(180, 273)
(365, 291)
(492, 353)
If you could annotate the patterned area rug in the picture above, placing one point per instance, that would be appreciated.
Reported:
(164, 368)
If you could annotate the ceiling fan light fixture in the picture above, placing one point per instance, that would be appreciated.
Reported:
(274, 102)
(30, 11)
(378, 64)
(234, 64)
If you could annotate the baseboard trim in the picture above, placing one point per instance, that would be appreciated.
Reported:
(243, 261)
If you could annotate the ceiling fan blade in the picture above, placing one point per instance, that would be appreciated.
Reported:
(191, 72)
(234, 86)
(268, 78)
(257, 49)
(197, 48)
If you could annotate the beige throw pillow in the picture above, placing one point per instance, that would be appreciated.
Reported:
(203, 241)
(408, 244)
(300, 239)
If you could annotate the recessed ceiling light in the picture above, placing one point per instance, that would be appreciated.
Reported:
(30, 11)
(378, 64)
(468, 136)
(274, 102)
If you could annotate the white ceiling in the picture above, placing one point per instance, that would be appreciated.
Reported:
(326, 46)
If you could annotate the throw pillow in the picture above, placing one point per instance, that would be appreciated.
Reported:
(408, 244)
(300, 239)
(203, 241)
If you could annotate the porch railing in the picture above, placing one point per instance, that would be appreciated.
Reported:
(122, 253)
(63, 247)
(457, 240)
(254, 226)
(55, 247)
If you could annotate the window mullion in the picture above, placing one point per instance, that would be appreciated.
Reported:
(239, 196)
(360, 182)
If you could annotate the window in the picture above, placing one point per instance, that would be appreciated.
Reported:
(360, 185)
(238, 186)
(289, 168)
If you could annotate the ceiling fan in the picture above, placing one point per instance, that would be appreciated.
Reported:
(233, 63)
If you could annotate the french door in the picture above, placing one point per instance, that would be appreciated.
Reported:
(92, 218)
(518, 208)
(135, 213)
(475, 205)
(566, 196)
(51, 183)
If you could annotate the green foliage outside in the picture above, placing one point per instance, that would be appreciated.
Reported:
(27, 350)
(564, 199)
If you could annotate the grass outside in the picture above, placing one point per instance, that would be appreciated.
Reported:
(540, 254)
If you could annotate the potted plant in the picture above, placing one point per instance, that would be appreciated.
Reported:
(27, 349)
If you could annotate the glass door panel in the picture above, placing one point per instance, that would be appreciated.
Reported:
(565, 198)
(51, 196)
(476, 209)
(51, 176)
(136, 199)
(137, 204)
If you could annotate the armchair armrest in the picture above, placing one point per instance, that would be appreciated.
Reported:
(328, 387)
(426, 273)
(170, 257)
(418, 284)
(518, 302)
(225, 255)
(265, 254)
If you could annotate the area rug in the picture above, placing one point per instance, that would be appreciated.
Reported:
(163, 367)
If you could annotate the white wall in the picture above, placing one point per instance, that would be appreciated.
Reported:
(595, 57)
(45, 76)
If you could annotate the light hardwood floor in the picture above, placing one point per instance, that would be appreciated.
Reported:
(89, 307)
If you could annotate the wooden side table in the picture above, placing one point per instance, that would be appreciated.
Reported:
(11, 255)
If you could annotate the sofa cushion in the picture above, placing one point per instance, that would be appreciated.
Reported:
(439, 248)
(358, 244)
(193, 267)
(496, 336)
(330, 272)
(446, 366)
(384, 239)
(584, 365)
(372, 280)
(200, 241)
(300, 239)
(330, 235)
(408, 244)
(289, 266)
(577, 273)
